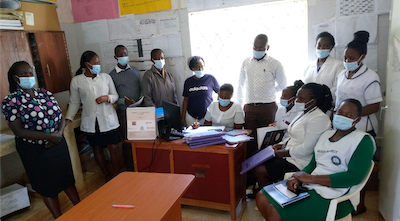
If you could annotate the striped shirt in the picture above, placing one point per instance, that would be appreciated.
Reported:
(257, 80)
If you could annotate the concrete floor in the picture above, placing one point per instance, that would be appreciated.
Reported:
(191, 213)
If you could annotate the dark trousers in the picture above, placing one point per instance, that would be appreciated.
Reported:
(257, 116)
(126, 147)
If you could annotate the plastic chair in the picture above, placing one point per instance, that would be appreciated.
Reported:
(353, 195)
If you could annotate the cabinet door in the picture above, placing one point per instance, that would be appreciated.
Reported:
(14, 46)
(54, 59)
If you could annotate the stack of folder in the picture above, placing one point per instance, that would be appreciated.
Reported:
(203, 139)
(11, 24)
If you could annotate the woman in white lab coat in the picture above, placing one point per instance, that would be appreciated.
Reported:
(325, 69)
(295, 152)
(361, 83)
(286, 113)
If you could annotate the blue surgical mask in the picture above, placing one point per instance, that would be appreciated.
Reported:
(199, 74)
(301, 106)
(224, 102)
(285, 102)
(123, 60)
(323, 53)
(159, 63)
(95, 69)
(26, 82)
(342, 123)
(258, 54)
(351, 66)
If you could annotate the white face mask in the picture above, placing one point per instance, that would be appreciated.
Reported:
(159, 63)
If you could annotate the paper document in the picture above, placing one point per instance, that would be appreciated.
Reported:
(204, 129)
(137, 103)
(285, 191)
(236, 139)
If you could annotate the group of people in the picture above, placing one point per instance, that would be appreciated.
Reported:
(346, 91)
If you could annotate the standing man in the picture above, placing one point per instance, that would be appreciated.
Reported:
(129, 88)
(158, 83)
(257, 87)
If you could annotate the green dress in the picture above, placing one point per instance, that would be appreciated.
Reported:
(315, 207)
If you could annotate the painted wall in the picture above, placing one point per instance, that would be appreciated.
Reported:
(318, 11)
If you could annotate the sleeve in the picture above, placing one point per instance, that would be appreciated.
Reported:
(313, 130)
(10, 109)
(173, 85)
(208, 116)
(147, 88)
(112, 92)
(280, 77)
(239, 117)
(311, 166)
(215, 85)
(139, 81)
(185, 92)
(358, 165)
(373, 92)
(242, 85)
(74, 100)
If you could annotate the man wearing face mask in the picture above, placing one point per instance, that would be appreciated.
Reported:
(158, 83)
(257, 87)
(129, 88)
(197, 91)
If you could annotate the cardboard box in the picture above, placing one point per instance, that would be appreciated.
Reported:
(13, 198)
(40, 16)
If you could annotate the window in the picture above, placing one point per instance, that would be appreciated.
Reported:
(224, 37)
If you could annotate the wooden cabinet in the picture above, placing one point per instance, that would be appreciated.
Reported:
(46, 50)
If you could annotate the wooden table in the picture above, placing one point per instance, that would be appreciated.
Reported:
(218, 183)
(156, 196)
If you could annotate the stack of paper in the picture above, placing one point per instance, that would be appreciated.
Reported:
(203, 139)
(11, 24)
(283, 196)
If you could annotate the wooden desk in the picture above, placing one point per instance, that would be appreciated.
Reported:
(217, 185)
(156, 196)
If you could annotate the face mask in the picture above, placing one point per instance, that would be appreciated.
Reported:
(95, 69)
(224, 102)
(258, 54)
(351, 66)
(301, 106)
(285, 102)
(123, 60)
(322, 53)
(341, 122)
(159, 63)
(199, 74)
(26, 82)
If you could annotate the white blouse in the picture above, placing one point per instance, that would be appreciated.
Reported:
(234, 115)
(86, 90)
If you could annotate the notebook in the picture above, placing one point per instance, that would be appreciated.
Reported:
(282, 195)
(257, 159)
(272, 137)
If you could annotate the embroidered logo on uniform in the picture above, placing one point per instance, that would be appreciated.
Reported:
(336, 160)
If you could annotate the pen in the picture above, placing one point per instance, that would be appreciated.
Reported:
(196, 121)
(127, 98)
(123, 206)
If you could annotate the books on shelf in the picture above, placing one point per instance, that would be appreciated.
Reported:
(282, 195)
(257, 159)
(11, 24)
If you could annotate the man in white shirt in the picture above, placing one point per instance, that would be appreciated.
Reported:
(257, 87)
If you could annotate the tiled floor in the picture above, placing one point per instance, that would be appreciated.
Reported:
(190, 213)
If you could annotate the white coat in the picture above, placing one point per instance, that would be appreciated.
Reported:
(283, 118)
(304, 132)
(327, 75)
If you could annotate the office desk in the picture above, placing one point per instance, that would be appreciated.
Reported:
(217, 185)
(156, 196)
